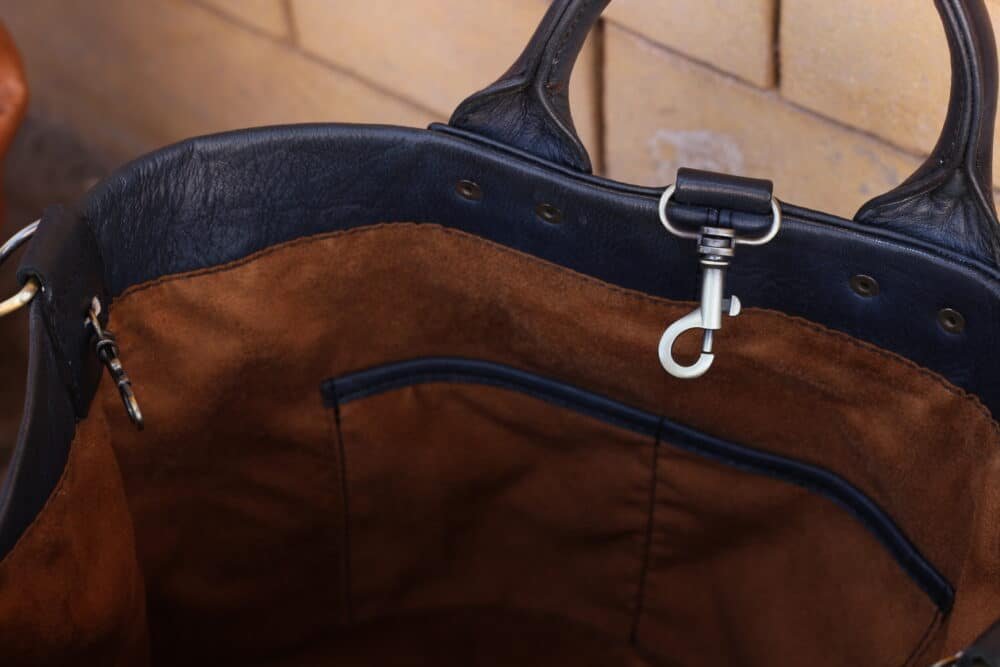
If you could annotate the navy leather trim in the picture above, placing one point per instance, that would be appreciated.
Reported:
(388, 377)
(217, 199)
(397, 375)
(43, 442)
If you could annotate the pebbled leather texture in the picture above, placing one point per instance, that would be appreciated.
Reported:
(705, 198)
(528, 107)
(947, 202)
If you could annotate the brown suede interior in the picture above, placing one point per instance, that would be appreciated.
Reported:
(71, 592)
(457, 523)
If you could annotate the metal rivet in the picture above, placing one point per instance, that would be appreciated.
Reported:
(548, 213)
(951, 320)
(469, 190)
(865, 286)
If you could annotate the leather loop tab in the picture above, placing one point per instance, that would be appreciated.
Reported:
(723, 191)
(64, 258)
(709, 199)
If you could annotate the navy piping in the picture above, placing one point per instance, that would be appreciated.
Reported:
(381, 379)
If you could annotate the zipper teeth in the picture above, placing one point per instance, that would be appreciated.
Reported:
(397, 375)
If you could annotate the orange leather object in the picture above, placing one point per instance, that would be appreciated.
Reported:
(13, 90)
(13, 103)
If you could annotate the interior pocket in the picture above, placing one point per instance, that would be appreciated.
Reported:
(478, 485)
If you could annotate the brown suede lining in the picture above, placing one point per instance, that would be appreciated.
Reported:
(71, 592)
(466, 524)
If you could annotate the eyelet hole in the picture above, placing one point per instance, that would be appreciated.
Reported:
(548, 213)
(951, 320)
(469, 190)
(864, 285)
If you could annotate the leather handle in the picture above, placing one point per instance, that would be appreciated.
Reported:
(528, 107)
(947, 201)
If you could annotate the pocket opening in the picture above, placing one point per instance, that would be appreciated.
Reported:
(371, 382)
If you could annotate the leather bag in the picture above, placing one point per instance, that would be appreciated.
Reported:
(442, 396)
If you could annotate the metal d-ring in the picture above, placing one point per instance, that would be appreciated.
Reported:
(31, 288)
(776, 219)
(716, 247)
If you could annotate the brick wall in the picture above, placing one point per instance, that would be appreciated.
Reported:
(835, 101)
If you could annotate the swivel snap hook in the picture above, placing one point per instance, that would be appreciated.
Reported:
(106, 347)
(708, 317)
(716, 248)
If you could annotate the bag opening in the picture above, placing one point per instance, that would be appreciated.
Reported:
(429, 444)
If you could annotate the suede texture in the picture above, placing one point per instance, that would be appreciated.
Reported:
(463, 524)
(71, 591)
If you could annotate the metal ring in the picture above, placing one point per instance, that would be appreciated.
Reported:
(31, 288)
(771, 233)
(21, 299)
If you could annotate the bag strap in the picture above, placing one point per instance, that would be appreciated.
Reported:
(947, 201)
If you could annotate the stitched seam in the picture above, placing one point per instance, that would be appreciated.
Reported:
(640, 596)
(346, 529)
(622, 291)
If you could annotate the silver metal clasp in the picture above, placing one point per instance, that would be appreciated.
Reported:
(106, 347)
(716, 249)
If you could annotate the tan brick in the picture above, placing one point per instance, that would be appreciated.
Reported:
(736, 36)
(664, 112)
(436, 52)
(879, 66)
(266, 15)
(129, 76)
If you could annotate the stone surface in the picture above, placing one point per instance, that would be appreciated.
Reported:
(268, 16)
(439, 52)
(664, 112)
(734, 35)
(882, 67)
(128, 77)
